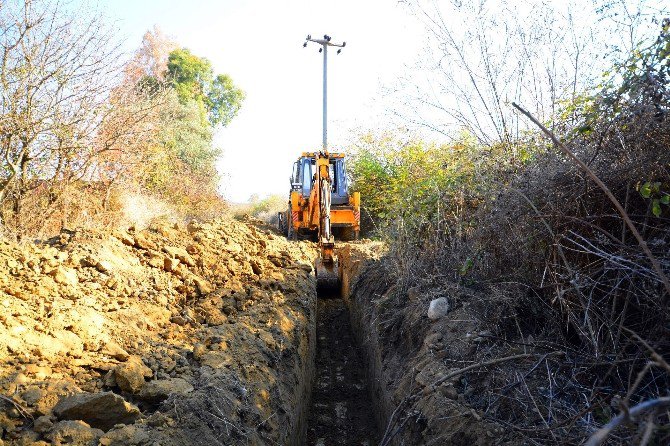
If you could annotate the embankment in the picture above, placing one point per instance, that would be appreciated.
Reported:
(175, 335)
(407, 353)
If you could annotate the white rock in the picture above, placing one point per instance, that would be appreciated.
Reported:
(438, 308)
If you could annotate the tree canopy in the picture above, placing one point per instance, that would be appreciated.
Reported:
(194, 80)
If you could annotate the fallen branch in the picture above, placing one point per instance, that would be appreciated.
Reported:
(488, 363)
(22, 410)
(601, 435)
(643, 244)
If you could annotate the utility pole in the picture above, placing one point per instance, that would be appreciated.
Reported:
(325, 43)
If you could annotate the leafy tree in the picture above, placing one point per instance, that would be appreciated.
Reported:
(194, 80)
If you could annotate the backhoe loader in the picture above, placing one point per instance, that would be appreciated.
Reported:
(321, 207)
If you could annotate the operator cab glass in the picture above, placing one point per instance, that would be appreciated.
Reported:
(304, 169)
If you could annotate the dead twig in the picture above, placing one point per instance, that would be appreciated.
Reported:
(22, 410)
(601, 435)
(488, 363)
(388, 435)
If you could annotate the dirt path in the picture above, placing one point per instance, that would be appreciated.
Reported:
(341, 412)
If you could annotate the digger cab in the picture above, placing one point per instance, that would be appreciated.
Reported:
(303, 175)
(301, 219)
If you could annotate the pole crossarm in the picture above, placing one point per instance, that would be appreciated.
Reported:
(326, 41)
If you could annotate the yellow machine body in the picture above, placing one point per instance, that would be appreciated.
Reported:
(321, 207)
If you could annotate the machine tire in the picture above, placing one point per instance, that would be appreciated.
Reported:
(348, 234)
(291, 234)
(285, 229)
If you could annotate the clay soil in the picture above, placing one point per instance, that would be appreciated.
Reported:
(198, 334)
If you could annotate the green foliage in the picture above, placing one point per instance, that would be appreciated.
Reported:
(184, 148)
(179, 162)
(223, 100)
(265, 208)
(635, 85)
(419, 183)
(194, 80)
(269, 205)
(657, 198)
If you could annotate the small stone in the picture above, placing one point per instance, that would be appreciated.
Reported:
(438, 308)
(127, 435)
(256, 267)
(158, 390)
(103, 266)
(101, 410)
(32, 395)
(181, 254)
(115, 351)
(65, 276)
(73, 433)
(42, 424)
(178, 319)
(109, 380)
(130, 375)
(125, 238)
(204, 287)
(170, 264)
(40, 372)
(141, 241)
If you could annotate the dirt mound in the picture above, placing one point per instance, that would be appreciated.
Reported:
(173, 335)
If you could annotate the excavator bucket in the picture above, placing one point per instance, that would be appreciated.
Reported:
(327, 276)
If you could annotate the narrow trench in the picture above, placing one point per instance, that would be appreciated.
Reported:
(341, 411)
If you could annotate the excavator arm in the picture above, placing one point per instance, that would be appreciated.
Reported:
(326, 265)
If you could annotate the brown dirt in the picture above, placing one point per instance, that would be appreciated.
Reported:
(173, 335)
(207, 334)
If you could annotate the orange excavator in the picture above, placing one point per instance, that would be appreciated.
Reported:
(321, 208)
(320, 205)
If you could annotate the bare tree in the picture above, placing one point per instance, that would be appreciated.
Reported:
(62, 101)
(482, 55)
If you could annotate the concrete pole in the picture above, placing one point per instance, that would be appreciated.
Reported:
(325, 98)
(325, 43)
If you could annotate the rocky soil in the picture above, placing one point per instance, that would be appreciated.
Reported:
(202, 334)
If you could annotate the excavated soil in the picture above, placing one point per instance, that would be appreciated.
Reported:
(340, 413)
(196, 335)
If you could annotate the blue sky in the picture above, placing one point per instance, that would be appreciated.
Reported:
(259, 43)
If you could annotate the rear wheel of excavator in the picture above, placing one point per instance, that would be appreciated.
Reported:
(291, 233)
(348, 234)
